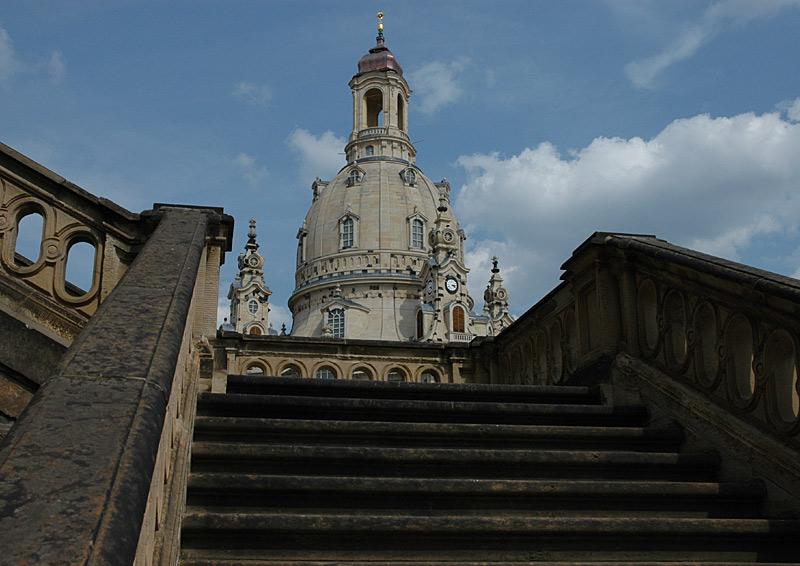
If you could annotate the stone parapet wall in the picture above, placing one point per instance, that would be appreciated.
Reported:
(95, 455)
(347, 359)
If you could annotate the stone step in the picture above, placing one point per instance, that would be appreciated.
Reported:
(248, 562)
(548, 394)
(243, 493)
(441, 462)
(506, 539)
(467, 435)
(393, 410)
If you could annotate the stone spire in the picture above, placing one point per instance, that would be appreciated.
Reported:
(249, 294)
(496, 297)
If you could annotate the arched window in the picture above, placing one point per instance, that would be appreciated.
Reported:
(355, 177)
(252, 306)
(336, 322)
(410, 176)
(428, 377)
(290, 371)
(417, 232)
(396, 375)
(348, 233)
(374, 100)
(362, 374)
(325, 373)
(254, 370)
(420, 329)
(401, 112)
(458, 319)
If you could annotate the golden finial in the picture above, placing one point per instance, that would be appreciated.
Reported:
(380, 23)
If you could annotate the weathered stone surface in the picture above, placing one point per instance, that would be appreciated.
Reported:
(76, 469)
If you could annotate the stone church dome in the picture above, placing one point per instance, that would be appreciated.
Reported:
(382, 197)
(380, 255)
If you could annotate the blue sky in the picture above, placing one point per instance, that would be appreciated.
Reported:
(551, 119)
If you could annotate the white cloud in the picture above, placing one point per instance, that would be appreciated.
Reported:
(252, 93)
(320, 156)
(713, 184)
(792, 109)
(278, 316)
(436, 84)
(250, 170)
(9, 64)
(56, 67)
(716, 18)
(223, 306)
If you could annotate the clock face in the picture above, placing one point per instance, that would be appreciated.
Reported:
(451, 284)
(429, 286)
(448, 236)
(253, 261)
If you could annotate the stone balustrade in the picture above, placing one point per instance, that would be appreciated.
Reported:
(60, 218)
(94, 469)
(729, 331)
(382, 131)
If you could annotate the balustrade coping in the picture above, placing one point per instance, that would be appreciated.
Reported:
(9, 157)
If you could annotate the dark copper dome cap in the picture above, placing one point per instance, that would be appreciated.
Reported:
(379, 58)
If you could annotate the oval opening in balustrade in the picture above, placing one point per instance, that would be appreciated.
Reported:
(571, 340)
(781, 364)
(28, 245)
(675, 331)
(705, 350)
(556, 366)
(79, 272)
(516, 365)
(541, 358)
(739, 369)
(648, 316)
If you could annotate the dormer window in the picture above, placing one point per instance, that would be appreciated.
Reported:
(416, 230)
(417, 233)
(410, 176)
(336, 322)
(348, 233)
(348, 230)
(354, 177)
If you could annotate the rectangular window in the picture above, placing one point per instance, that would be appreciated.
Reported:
(336, 322)
(347, 233)
(416, 234)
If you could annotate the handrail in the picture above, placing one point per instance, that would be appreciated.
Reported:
(79, 465)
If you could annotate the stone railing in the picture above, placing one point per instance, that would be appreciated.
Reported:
(708, 343)
(93, 472)
(382, 131)
(62, 217)
(729, 331)
(371, 360)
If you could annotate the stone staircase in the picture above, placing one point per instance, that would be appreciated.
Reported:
(317, 472)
